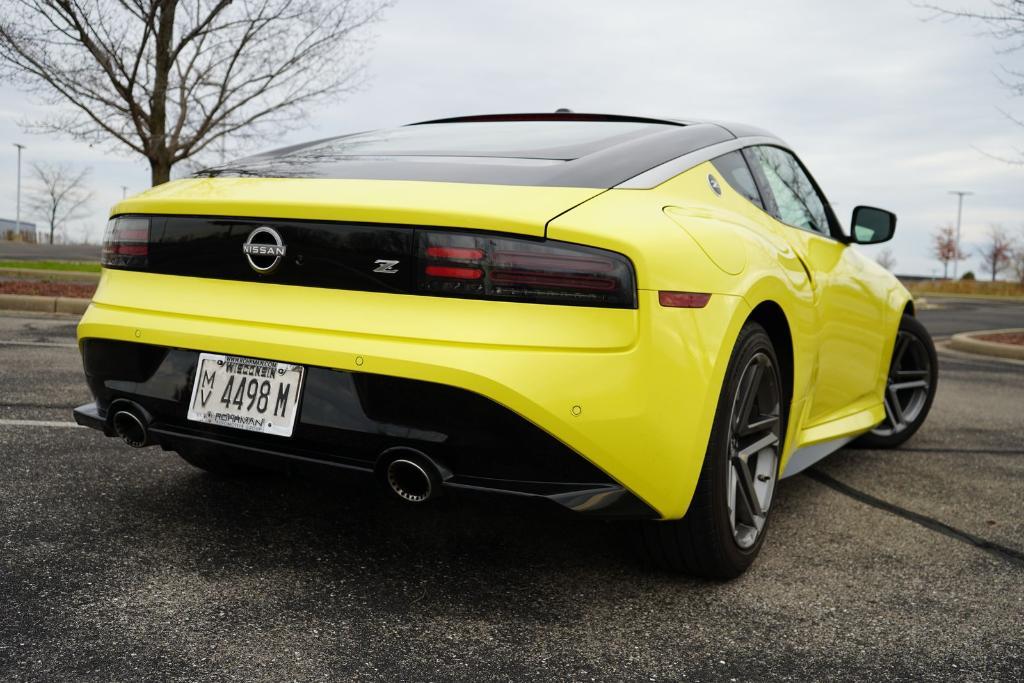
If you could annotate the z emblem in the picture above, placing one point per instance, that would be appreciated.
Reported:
(386, 266)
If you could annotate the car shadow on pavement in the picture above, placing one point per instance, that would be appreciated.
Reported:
(453, 554)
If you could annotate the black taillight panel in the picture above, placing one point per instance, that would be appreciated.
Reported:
(486, 266)
(376, 258)
(126, 243)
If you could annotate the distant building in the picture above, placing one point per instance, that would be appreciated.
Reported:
(9, 231)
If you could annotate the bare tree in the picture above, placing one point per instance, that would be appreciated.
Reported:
(945, 248)
(1004, 21)
(59, 194)
(169, 78)
(1017, 259)
(995, 253)
(886, 259)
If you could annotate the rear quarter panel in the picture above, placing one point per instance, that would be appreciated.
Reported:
(682, 236)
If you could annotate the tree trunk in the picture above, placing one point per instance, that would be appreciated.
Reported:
(160, 171)
(159, 155)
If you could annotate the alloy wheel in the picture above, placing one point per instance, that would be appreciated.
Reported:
(908, 385)
(754, 441)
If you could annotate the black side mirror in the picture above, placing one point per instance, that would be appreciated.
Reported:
(871, 226)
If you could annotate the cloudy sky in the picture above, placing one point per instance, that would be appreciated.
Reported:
(885, 107)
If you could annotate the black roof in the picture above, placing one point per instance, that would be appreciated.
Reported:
(565, 149)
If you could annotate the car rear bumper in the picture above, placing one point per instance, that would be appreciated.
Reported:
(600, 498)
(630, 394)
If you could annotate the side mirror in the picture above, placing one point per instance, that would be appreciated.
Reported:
(871, 226)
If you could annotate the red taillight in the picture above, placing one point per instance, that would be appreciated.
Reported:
(131, 249)
(455, 273)
(457, 253)
(683, 299)
(126, 243)
(517, 269)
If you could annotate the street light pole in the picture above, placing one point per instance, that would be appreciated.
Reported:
(17, 218)
(960, 194)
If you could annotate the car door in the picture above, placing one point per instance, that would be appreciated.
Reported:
(849, 314)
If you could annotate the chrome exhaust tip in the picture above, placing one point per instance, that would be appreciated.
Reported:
(410, 481)
(130, 428)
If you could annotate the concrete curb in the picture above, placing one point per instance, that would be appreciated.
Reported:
(967, 342)
(43, 304)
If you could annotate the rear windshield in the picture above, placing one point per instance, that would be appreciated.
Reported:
(510, 139)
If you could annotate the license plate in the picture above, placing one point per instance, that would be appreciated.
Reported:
(246, 393)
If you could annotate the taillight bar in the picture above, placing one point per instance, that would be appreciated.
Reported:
(427, 261)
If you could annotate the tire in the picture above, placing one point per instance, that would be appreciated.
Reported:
(714, 539)
(218, 464)
(913, 360)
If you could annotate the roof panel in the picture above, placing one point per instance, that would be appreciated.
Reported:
(597, 152)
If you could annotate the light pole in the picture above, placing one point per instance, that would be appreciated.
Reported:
(17, 217)
(960, 194)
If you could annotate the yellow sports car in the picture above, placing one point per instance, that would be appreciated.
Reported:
(626, 317)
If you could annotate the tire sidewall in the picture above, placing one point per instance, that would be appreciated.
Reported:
(752, 340)
(913, 326)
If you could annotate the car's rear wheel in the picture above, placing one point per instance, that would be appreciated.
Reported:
(910, 387)
(727, 520)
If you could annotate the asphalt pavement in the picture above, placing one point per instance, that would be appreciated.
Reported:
(121, 564)
(945, 317)
(24, 251)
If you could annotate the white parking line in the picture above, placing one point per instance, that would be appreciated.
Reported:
(37, 423)
(18, 342)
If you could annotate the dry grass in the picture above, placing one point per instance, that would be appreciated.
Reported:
(975, 287)
(1016, 338)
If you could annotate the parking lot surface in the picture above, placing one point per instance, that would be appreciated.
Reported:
(23, 251)
(121, 564)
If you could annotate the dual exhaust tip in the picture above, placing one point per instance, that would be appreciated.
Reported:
(130, 421)
(410, 474)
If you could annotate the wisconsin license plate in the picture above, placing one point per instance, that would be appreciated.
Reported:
(246, 393)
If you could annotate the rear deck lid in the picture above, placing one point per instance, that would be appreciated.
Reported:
(503, 208)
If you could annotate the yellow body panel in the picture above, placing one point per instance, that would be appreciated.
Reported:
(645, 383)
(507, 208)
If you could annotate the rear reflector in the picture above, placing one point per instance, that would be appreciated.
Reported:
(126, 243)
(683, 299)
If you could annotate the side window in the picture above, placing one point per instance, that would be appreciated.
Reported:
(797, 202)
(734, 169)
